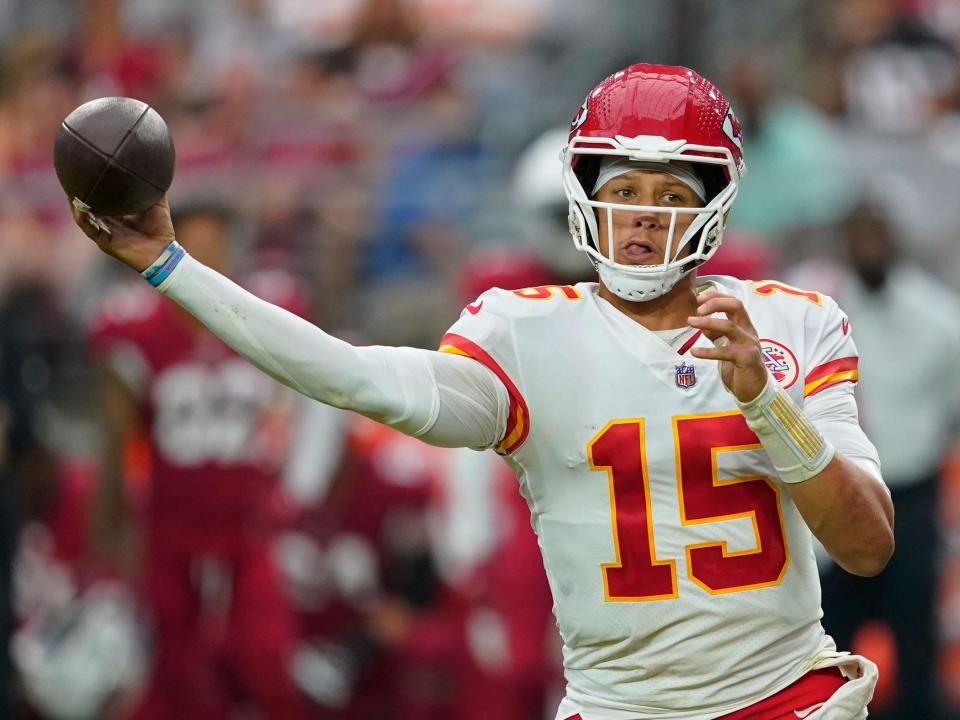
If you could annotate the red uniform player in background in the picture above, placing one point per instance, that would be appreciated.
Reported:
(217, 430)
(421, 588)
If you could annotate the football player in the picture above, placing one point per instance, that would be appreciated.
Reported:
(679, 439)
(216, 431)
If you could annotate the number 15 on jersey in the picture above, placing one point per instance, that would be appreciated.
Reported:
(636, 574)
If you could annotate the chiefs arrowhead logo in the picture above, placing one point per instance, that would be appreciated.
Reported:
(780, 361)
(580, 118)
(731, 128)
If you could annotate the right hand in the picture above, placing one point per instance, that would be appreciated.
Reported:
(135, 240)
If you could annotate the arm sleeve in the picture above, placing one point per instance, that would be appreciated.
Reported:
(442, 399)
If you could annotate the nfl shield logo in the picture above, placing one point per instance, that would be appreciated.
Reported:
(686, 375)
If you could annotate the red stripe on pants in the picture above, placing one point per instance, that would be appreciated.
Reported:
(815, 687)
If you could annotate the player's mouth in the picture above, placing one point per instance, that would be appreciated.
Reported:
(637, 252)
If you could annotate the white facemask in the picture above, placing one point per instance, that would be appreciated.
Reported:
(703, 235)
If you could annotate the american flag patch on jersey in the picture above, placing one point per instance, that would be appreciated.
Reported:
(686, 375)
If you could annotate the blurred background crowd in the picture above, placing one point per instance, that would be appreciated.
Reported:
(180, 538)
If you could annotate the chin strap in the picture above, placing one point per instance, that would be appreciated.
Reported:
(636, 288)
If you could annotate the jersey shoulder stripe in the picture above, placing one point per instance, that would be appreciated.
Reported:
(831, 373)
(518, 422)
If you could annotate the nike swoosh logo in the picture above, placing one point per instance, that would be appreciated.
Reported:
(474, 309)
(809, 711)
(845, 326)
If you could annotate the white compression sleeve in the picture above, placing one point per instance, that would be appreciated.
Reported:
(443, 399)
(471, 396)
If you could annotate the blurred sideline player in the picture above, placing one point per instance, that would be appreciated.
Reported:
(408, 575)
(889, 295)
(80, 649)
(677, 439)
(347, 564)
(217, 430)
(542, 208)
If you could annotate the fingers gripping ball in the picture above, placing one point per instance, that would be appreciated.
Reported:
(114, 155)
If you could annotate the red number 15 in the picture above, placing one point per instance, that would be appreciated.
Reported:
(637, 574)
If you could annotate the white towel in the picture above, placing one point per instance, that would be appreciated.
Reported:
(851, 700)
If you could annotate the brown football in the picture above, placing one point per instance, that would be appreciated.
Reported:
(114, 154)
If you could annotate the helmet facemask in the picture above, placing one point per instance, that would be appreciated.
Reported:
(715, 165)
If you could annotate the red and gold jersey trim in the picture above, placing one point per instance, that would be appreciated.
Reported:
(518, 421)
(831, 373)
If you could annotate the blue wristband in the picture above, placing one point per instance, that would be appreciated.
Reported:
(162, 267)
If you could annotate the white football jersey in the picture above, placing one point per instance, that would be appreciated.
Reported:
(683, 576)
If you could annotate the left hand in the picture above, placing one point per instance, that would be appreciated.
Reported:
(736, 344)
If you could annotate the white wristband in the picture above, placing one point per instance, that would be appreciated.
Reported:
(795, 446)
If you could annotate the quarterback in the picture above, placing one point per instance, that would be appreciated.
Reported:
(679, 438)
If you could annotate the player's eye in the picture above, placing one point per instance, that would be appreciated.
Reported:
(624, 192)
(672, 198)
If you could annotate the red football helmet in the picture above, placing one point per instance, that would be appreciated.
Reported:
(653, 114)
